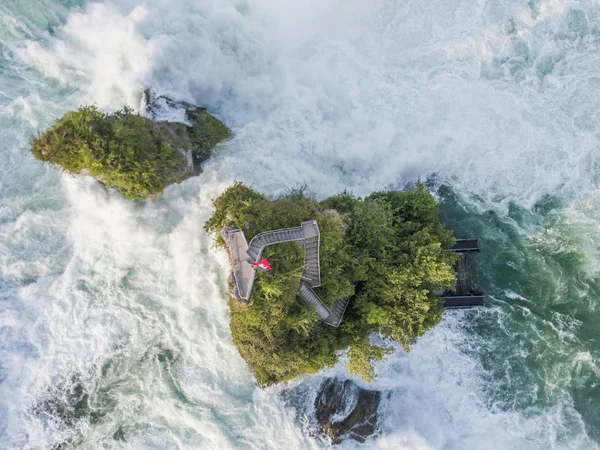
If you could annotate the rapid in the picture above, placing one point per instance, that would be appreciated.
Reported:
(495, 105)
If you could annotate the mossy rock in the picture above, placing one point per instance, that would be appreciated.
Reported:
(134, 154)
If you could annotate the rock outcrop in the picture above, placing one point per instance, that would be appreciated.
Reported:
(344, 410)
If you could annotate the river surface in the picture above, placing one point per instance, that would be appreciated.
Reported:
(113, 316)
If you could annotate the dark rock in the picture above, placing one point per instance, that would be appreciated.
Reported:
(344, 410)
(71, 401)
(119, 435)
(200, 133)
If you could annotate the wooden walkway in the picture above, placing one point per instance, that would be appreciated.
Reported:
(466, 245)
(242, 273)
(242, 255)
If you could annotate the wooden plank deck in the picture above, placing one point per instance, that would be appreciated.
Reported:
(243, 274)
(466, 245)
(463, 301)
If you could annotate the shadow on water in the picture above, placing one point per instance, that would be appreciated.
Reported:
(538, 338)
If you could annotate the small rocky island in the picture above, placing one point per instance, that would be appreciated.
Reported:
(384, 256)
(139, 156)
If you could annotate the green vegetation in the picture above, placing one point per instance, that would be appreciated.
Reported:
(135, 155)
(385, 252)
(206, 131)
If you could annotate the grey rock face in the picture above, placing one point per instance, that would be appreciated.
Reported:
(344, 410)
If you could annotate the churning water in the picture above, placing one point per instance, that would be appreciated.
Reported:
(113, 320)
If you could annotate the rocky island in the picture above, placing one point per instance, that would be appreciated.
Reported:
(139, 156)
(384, 254)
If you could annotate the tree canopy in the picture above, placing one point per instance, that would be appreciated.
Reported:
(385, 252)
(124, 150)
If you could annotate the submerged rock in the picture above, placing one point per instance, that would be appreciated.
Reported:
(70, 404)
(344, 410)
(137, 155)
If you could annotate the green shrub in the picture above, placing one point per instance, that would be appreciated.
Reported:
(385, 252)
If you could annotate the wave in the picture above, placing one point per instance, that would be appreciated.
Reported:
(124, 302)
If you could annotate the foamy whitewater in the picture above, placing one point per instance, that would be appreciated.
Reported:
(495, 104)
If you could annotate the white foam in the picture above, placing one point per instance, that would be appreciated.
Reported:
(100, 49)
(359, 95)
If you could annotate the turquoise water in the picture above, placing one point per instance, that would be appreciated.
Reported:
(539, 345)
(113, 320)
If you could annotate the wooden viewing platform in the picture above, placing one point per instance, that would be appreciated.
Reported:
(242, 273)
(466, 245)
(467, 293)
(242, 255)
